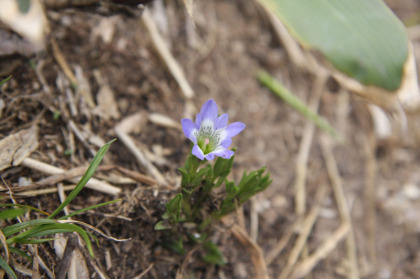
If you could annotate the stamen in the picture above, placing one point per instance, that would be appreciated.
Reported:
(206, 141)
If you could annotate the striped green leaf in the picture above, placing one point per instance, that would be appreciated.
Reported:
(361, 38)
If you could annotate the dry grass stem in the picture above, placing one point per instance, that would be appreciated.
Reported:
(253, 232)
(141, 158)
(62, 196)
(304, 267)
(144, 272)
(254, 250)
(343, 209)
(305, 146)
(306, 229)
(370, 196)
(59, 57)
(164, 121)
(165, 54)
(278, 248)
(93, 183)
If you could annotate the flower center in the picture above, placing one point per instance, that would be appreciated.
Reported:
(208, 139)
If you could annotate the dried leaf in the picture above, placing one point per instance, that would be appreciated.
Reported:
(14, 148)
(31, 24)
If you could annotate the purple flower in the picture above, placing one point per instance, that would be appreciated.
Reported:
(210, 133)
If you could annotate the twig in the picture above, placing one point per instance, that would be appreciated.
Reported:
(307, 225)
(93, 183)
(341, 204)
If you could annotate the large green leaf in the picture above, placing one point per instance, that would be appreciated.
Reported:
(361, 38)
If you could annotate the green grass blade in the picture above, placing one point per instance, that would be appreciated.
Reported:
(10, 230)
(5, 80)
(19, 252)
(6, 267)
(11, 213)
(87, 208)
(39, 241)
(27, 207)
(59, 228)
(277, 88)
(88, 174)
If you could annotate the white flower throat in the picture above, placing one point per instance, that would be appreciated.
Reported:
(208, 139)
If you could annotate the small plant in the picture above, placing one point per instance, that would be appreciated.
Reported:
(197, 206)
(34, 231)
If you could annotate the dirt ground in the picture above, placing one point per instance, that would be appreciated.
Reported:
(362, 196)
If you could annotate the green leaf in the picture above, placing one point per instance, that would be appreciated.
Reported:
(11, 213)
(361, 38)
(177, 246)
(88, 174)
(200, 175)
(173, 209)
(213, 254)
(249, 185)
(6, 267)
(222, 167)
(186, 178)
(162, 225)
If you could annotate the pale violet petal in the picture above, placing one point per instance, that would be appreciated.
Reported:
(188, 127)
(226, 143)
(222, 121)
(196, 151)
(209, 156)
(225, 154)
(198, 121)
(234, 129)
(209, 111)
